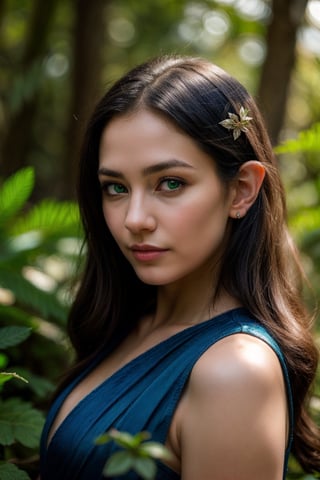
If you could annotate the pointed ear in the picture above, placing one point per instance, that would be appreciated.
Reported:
(246, 187)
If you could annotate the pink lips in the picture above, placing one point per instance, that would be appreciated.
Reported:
(147, 253)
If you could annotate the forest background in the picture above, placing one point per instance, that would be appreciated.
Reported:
(56, 59)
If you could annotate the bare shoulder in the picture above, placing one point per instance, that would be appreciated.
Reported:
(233, 414)
(237, 361)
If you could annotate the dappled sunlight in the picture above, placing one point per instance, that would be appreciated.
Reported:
(6, 297)
(121, 31)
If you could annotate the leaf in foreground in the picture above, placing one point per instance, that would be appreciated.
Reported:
(145, 467)
(118, 464)
(15, 191)
(8, 471)
(11, 335)
(19, 422)
(139, 454)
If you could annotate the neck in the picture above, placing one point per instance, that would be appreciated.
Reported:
(191, 301)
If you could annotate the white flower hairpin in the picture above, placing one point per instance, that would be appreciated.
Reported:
(237, 123)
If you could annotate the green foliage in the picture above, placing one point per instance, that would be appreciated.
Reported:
(10, 336)
(19, 422)
(296, 473)
(8, 471)
(138, 453)
(304, 219)
(305, 225)
(26, 236)
(33, 310)
(14, 193)
(307, 141)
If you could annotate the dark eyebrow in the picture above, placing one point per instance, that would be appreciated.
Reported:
(158, 167)
(109, 173)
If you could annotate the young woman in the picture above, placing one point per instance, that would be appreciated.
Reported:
(188, 321)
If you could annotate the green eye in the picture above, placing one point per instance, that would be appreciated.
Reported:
(118, 188)
(115, 189)
(171, 184)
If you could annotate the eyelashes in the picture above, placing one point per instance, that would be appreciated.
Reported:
(113, 189)
(171, 184)
(167, 185)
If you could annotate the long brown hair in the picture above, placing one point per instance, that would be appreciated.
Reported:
(259, 265)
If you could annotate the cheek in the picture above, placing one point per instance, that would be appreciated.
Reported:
(200, 231)
(200, 217)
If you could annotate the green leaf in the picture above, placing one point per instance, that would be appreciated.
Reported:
(102, 439)
(139, 454)
(45, 303)
(126, 440)
(307, 141)
(140, 437)
(19, 422)
(14, 193)
(4, 377)
(118, 464)
(145, 467)
(8, 471)
(155, 450)
(3, 360)
(12, 335)
(50, 217)
(122, 438)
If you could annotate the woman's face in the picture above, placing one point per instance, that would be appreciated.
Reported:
(162, 199)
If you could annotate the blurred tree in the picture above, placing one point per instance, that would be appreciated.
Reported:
(2, 10)
(87, 62)
(287, 16)
(44, 110)
(17, 139)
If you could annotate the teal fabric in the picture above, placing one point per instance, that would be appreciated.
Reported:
(142, 395)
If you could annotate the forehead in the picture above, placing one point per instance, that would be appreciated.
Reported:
(142, 124)
(144, 137)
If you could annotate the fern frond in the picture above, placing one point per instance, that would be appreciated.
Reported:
(50, 217)
(14, 193)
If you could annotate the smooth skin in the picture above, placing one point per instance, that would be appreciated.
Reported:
(161, 192)
(231, 422)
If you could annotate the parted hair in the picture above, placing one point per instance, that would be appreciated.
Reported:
(259, 265)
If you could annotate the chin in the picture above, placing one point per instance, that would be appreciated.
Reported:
(158, 280)
(152, 281)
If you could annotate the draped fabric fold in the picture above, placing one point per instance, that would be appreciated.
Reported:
(142, 395)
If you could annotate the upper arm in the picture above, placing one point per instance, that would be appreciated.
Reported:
(233, 422)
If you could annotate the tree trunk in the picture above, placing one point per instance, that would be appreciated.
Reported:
(3, 6)
(279, 63)
(89, 43)
(18, 137)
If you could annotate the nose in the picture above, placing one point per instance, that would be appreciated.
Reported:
(139, 215)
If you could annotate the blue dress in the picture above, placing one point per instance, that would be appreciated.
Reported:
(142, 395)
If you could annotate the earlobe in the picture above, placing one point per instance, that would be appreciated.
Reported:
(246, 188)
